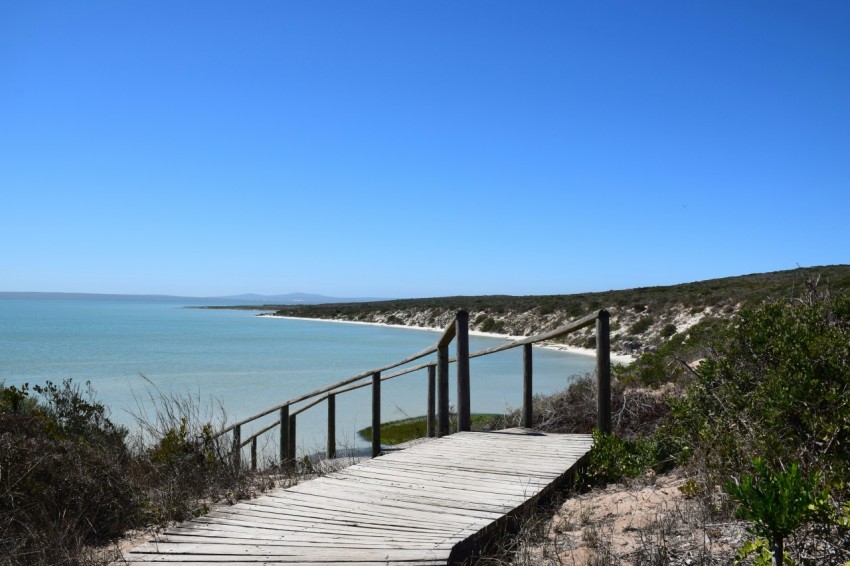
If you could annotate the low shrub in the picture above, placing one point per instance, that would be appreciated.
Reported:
(614, 459)
(777, 503)
(64, 479)
(71, 479)
(634, 412)
(776, 386)
(491, 325)
(641, 325)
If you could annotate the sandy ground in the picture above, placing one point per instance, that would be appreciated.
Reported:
(653, 521)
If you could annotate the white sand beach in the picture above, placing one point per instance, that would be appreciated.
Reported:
(622, 359)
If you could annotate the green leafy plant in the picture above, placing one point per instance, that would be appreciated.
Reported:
(775, 383)
(642, 325)
(613, 458)
(757, 550)
(668, 330)
(777, 503)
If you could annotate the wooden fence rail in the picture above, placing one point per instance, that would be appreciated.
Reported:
(438, 418)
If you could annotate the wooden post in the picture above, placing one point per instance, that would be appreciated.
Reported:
(376, 414)
(527, 389)
(292, 424)
(237, 448)
(442, 391)
(431, 425)
(331, 426)
(254, 454)
(285, 455)
(603, 372)
(464, 418)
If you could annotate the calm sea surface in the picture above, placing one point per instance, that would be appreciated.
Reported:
(243, 362)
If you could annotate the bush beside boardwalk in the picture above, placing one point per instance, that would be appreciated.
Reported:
(72, 482)
(751, 424)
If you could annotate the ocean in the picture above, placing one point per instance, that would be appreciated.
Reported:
(243, 363)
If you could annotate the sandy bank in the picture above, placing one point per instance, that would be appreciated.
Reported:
(623, 359)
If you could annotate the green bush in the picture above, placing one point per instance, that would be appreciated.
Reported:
(64, 481)
(668, 330)
(777, 385)
(491, 325)
(642, 325)
(614, 458)
(69, 479)
(776, 503)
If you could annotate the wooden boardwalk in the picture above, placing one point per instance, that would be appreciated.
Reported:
(433, 503)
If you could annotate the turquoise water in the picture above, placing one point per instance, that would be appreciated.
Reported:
(243, 362)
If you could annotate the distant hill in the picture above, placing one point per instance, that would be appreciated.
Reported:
(641, 319)
(246, 299)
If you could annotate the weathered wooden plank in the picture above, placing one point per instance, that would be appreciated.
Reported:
(435, 501)
(367, 538)
(422, 506)
(358, 501)
(304, 541)
(302, 561)
(223, 553)
(488, 486)
(453, 469)
(263, 525)
(365, 498)
(309, 517)
(430, 487)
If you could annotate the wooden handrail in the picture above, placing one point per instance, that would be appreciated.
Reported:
(327, 388)
(456, 329)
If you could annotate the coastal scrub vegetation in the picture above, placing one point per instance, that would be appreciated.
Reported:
(760, 425)
(642, 319)
(72, 481)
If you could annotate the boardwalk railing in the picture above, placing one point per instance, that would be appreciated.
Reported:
(438, 419)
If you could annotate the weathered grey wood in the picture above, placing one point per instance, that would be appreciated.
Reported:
(285, 455)
(376, 414)
(239, 521)
(583, 322)
(385, 377)
(349, 518)
(254, 453)
(259, 433)
(432, 503)
(430, 423)
(443, 391)
(464, 419)
(603, 372)
(244, 524)
(292, 445)
(331, 451)
(331, 387)
(527, 387)
(310, 405)
(448, 334)
(237, 446)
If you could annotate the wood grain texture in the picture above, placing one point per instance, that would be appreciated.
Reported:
(432, 503)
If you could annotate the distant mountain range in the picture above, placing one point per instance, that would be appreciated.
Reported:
(246, 299)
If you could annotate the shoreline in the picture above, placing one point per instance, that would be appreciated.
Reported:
(622, 359)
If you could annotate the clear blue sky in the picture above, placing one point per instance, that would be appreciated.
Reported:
(399, 149)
